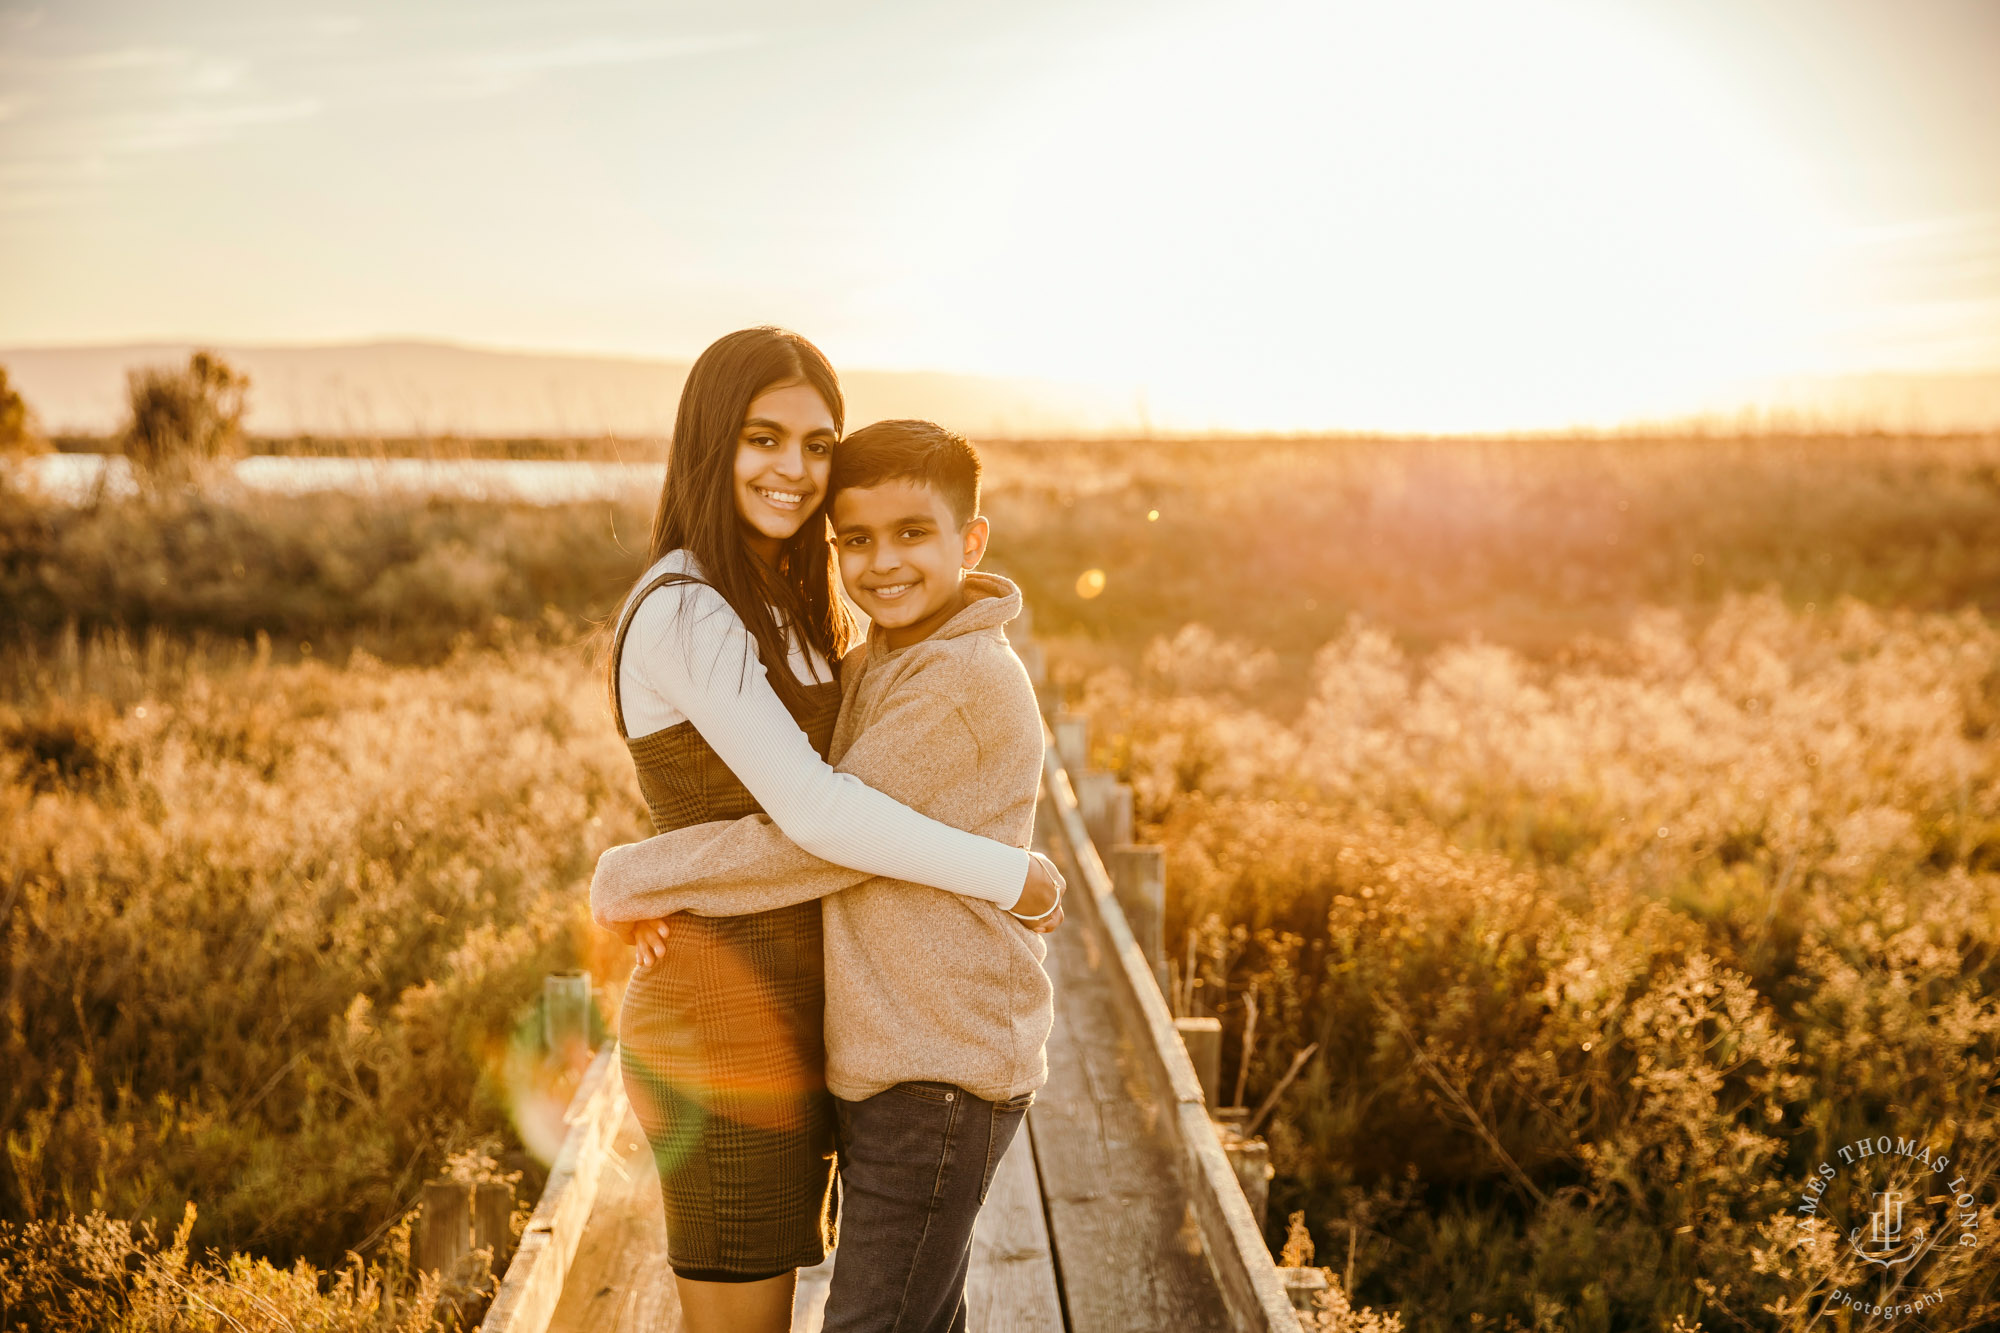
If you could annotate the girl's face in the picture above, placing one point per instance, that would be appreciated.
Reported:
(783, 455)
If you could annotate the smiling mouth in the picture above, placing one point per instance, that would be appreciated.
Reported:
(889, 592)
(780, 499)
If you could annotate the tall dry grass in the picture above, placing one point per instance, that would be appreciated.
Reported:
(269, 938)
(406, 576)
(1527, 543)
(1603, 954)
(273, 934)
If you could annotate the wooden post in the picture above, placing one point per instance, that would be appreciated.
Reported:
(444, 1232)
(1092, 795)
(492, 1217)
(1114, 815)
(1072, 744)
(566, 1015)
(1252, 1160)
(1139, 882)
(1302, 1285)
(1106, 806)
(1203, 1039)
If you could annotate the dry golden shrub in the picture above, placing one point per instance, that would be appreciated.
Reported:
(1603, 953)
(274, 931)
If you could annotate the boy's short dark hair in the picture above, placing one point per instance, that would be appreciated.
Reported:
(919, 451)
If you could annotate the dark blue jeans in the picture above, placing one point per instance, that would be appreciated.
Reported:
(915, 1164)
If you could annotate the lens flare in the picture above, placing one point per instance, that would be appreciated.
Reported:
(684, 1071)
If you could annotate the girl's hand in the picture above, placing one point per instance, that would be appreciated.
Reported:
(648, 940)
(1040, 907)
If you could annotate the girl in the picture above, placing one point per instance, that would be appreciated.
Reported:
(723, 687)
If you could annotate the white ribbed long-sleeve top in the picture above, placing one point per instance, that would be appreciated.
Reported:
(687, 657)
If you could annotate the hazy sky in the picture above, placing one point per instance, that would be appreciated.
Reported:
(1402, 213)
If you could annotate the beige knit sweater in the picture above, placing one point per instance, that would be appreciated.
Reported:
(920, 984)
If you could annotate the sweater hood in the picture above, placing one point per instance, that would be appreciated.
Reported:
(990, 602)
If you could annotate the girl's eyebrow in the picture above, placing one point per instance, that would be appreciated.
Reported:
(778, 427)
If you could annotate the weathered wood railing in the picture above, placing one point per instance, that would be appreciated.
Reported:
(1122, 901)
(458, 1217)
(1253, 1288)
(532, 1285)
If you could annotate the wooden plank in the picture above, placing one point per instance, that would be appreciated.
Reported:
(1012, 1285)
(619, 1281)
(1120, 1221)
(1249, 1276)
(533, 1283)
(1142, 1056)
(1101, 916)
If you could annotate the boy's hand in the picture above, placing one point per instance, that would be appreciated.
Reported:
(1040, 907)
(647, 938)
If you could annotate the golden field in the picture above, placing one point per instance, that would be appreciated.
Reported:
(1621, 817)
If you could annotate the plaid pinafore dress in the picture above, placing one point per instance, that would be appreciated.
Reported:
(723, 1053)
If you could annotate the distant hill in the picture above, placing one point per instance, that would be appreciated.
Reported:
(429, 389)
(423, 388)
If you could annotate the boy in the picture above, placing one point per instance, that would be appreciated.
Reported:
(938, 1008)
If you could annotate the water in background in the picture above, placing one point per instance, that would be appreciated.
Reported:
(73, 477)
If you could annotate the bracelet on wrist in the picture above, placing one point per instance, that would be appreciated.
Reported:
(1039, 916)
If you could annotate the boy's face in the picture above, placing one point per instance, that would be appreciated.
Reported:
(903, 556)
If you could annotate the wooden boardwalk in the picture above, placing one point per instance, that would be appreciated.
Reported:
(1115, 1212)
(619, 1281)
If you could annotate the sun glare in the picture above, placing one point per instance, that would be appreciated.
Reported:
(1432, 215)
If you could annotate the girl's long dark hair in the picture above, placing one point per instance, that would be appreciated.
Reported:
(697, 510)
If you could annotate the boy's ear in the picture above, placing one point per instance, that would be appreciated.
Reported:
(975, 535)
